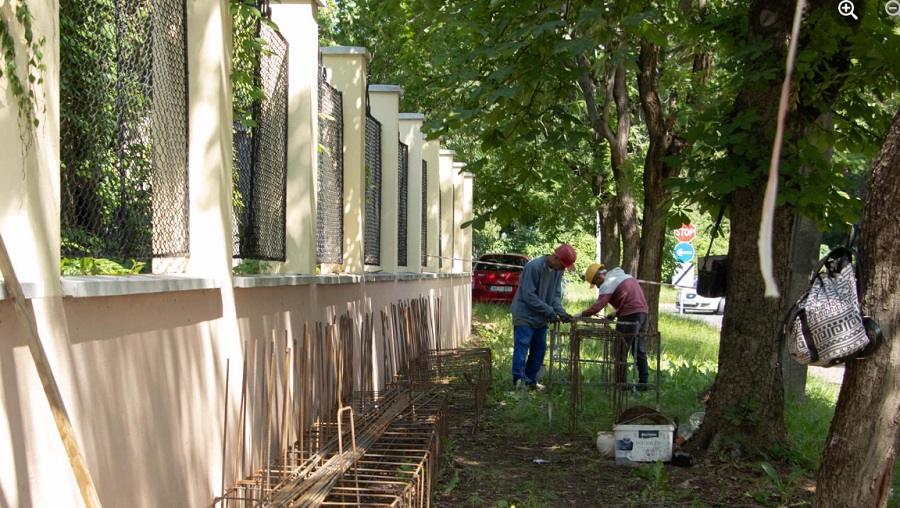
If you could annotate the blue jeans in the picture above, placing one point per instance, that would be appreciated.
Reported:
(529, 347)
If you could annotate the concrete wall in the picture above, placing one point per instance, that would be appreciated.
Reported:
(141, 361)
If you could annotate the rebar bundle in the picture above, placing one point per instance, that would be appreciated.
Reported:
(328, 438)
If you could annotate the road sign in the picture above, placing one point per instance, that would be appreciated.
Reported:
(685, 233)
(684, 252)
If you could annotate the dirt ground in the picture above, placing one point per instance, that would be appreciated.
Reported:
(488, 468)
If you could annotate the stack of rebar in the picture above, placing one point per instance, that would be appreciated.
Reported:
(328, 437)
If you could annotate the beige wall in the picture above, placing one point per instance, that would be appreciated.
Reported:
(141, 361)
(430, 153)
(346, 72)
(447, 200)
(385, 107)
(297, 21)
(411, 135)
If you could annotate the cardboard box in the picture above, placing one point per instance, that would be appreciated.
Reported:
(643, 443)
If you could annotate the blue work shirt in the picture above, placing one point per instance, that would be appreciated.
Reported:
(538, 298)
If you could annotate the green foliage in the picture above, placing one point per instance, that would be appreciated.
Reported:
(782, 490)
(250, 267)
(99, 266)
(22, 83)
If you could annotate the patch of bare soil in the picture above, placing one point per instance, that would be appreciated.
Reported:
(490, 468)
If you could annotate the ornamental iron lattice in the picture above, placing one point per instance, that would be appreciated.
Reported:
(330, 195)
(373, 192)
(123, 129)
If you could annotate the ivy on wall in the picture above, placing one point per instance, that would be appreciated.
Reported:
(21, 81)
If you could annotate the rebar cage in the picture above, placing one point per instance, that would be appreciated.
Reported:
(591, 353)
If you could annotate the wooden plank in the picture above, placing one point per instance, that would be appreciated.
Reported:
(51, 389)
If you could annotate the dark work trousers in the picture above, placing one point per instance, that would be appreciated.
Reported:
(629, 326)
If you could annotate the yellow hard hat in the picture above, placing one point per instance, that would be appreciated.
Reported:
(591, 272)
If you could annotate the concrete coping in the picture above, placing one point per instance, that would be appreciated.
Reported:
(466, 174)
(386, 88)
(346, 50)
(445, 151)
(411, 116)
(459, 164)
(85, 286)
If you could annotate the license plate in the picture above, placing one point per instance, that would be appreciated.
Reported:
(501, 289)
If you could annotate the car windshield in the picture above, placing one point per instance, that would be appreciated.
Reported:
(501, 263)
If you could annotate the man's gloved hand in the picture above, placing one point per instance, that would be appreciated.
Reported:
(565, 317)
(611, 316)
(553, 319)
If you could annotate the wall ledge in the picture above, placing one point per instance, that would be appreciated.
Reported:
(86, 286)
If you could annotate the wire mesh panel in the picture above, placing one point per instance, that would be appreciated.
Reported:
(123, 129)
(260, 148)
(330, 196)
(424, 212)
(373, 192)
(402, 215)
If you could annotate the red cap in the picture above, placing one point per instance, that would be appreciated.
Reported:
(567, 255)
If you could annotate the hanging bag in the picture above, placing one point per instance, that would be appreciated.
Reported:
(712, 280)
(825, 326)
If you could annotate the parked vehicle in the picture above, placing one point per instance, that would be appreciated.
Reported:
(496, 277)
(687, 300)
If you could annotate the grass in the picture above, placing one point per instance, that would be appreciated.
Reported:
(688, 361)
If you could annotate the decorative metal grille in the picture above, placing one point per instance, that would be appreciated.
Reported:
(402, 214)
(123, 129)
(424, 213)
(260, 150)
(330, 196)
(373, 192)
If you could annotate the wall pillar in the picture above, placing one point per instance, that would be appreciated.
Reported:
(446, 218)
(411, 135)
(431, 156)
(347, 73)
(467, 216)
(458, 198)
(297, 20)
(385, 107)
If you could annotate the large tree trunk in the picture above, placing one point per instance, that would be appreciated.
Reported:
(662, 143)
(858, 460)
(747, 402)
(746, 407)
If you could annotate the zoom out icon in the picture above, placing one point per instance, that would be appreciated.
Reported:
(892, 8)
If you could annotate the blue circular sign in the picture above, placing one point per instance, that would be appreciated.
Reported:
(684, 252)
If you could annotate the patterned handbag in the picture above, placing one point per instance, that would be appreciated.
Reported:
(826, 326)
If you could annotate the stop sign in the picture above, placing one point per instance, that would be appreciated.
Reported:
(685, 233)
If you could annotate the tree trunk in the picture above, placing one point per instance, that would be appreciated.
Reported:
(616, 94)
(662, 143)
(746, 407)
(858, 460)
(611, 252)
(747, 402)
(626, 206)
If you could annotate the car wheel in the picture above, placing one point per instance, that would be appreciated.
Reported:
(721, 308)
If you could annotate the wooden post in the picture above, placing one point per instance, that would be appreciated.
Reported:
(51, 390)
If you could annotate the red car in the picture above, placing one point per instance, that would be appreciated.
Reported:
(496, 277)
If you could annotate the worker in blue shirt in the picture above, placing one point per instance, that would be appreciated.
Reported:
(537, 302)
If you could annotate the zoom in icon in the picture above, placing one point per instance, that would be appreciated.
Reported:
(892, 8)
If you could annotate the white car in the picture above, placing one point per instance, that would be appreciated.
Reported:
(687, 300)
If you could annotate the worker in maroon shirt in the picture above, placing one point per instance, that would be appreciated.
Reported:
(624, 293)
